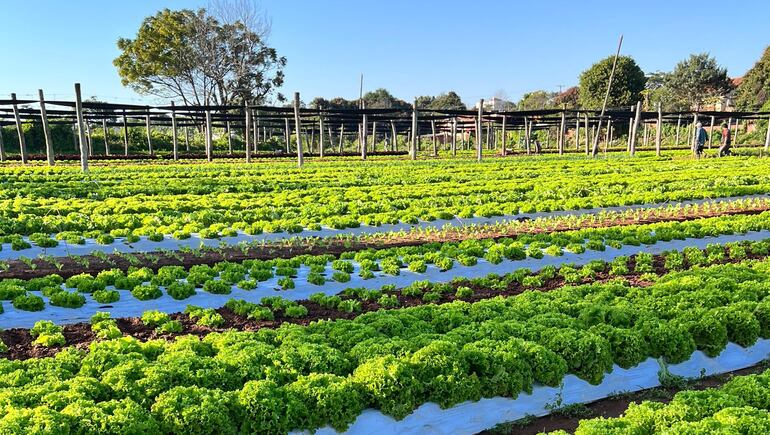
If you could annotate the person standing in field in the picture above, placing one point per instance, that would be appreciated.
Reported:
(724, 149)
(700, 139)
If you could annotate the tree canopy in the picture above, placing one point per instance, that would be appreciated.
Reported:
(193, 56)
(537, 100)
(697, 79)
(754, 91)
(627, 84)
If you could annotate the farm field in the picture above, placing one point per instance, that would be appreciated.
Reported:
(500, 289)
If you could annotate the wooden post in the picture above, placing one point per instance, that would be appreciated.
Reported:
(478, 130)
(287, 134)
(735, 136)
(2, 145)
(106, 135)
(187, 139)
(630, 128)
(46, 129)
(637, 119)
(125, 134)
(413, 148)
(658, 130)
(247, 137)
(229, 138)
(209, 139)
(342, 135)
(577, 131)
(298, 126)
(588, 134)
(255, 126)
(433, 137)
(321, 135)
(562, 126)
(678, 125)
(595, 150)
(454, 137)
(503, 150)
(526, 135)
(81, 130)
(394, 137)
(711, 132)
(767, 136)
(362, 130)
(488, 136)
(149, 133)
(174, 138)
(19, 130)
(88, 137)
(694, 137)
(374, 136)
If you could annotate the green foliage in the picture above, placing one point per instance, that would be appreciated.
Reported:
(627, 84)
(754, 90)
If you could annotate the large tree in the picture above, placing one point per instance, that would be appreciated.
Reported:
(537, 100)
(698, 79)
(382, 99)
(627, 84)
(754, 91)
(447, 101)
(202, 57)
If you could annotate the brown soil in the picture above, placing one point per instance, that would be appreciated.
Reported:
(20, 346)
(68, 266)
(613, 406)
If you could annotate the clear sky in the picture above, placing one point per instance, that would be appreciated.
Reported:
(411, 47)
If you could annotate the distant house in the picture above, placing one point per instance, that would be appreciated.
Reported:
(494, 104)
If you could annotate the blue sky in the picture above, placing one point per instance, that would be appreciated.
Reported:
(411, 47)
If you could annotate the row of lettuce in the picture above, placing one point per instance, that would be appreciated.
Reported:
(357, 299)
(96, 238)
(130, 201)
(223, 277)
(741, 406)
(327, 372)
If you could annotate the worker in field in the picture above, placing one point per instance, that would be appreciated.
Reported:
(700, 139)
(724, 149)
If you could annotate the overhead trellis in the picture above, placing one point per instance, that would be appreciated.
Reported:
(255, 122)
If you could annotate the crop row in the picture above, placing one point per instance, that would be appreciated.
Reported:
(273, 310)
(741, 406)
(326, 373)
(282, 274)
(220, 199)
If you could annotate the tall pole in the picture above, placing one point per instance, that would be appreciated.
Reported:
(364, 133)
(394, 137)
(209, 139)
(658, 130)
(149, 133)
(413, 147)
(81, 130)
(321, 135)
(588, 132)
(478, 130)
(595, 150)
(454, 136)
(562, 126)
(298, 126)
(767, 135)
(46, 129)
(19, 131)
(711, 132)
(125, 134)
(106, 135)
(635, 129)
(174, 138)
(247, 136)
